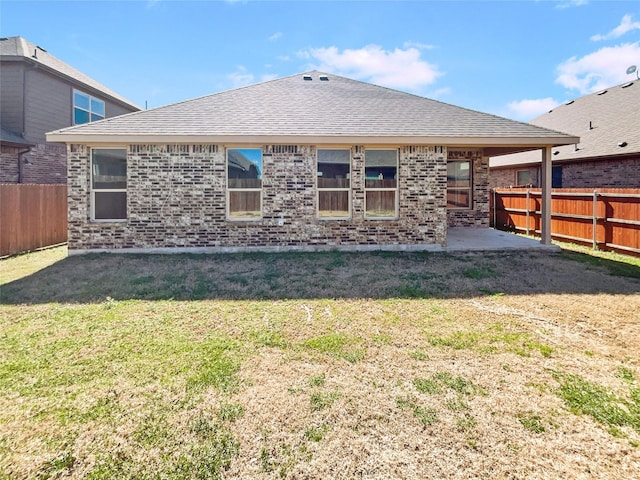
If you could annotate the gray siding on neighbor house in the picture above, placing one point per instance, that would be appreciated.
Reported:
(111, 109)
(11, 96)
(49, 104)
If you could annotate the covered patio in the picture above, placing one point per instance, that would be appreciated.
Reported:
(463, 239)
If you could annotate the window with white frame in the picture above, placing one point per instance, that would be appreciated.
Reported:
(334, 183)
(459, 191)
(86, 108)
(109, 184)
(244, 183)
(381, 184)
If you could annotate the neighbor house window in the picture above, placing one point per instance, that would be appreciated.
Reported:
(244, 183)
(556, 177)
(523, 177)
(86, 108)
(459, 184)
(334, 183)
(108, 184)
(381, 183)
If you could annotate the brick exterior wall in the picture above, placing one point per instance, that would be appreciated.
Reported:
(45, 163)
(177, 198)
(606, 173)
(9, 164)
(478, 214)
(615, 173)
(507, 177)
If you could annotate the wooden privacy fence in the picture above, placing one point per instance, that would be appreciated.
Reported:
(605, 218)
(31, 217)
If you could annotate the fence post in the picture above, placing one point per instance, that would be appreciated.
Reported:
(526, 226)
(595, 219)
(495, 207)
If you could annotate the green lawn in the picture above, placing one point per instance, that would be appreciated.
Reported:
(332, 365)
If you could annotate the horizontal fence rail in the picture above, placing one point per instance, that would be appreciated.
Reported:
(606, 219)
(31, 217)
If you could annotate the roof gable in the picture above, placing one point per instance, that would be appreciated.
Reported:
(20, 48)
(304, 106)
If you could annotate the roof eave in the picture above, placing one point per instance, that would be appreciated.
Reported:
(470, 141)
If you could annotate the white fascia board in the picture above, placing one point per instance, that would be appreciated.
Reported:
(463, 141)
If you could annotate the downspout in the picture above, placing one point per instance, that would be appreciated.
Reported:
(20, 154)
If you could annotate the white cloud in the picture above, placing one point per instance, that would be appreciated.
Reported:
(626, 25)
(418, 45)
(439, 93)
(275, 36)
(240, 77)
(571, 3)
(396, 69)
(600, 69)
(529, 109)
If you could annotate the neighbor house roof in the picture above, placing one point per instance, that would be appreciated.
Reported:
(608, 123)
(318, 108)
(20, 49)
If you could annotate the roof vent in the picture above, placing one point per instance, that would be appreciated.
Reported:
(602, 92)
(569, 102)
(307, 78)
(324, 78)
(623, 144)
(627, 85)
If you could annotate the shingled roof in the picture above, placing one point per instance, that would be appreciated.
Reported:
(608, 123)
(314, 107)
(18, 48)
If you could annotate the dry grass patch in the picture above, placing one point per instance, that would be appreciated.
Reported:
(318, 366)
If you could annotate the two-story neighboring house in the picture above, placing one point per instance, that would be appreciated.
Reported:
(40, 93)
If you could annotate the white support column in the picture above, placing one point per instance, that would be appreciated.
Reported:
(546, 196)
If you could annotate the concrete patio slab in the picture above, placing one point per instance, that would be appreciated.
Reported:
(460, 239)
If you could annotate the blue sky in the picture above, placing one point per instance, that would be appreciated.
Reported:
(516, 59)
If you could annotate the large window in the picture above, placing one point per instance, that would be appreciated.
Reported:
(108, 184)
(381, 183)
(334, 183)
(244, 183)
(86, 108)
(459, 184)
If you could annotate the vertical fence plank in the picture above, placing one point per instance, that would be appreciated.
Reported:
(32, 216)
(594, 224)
